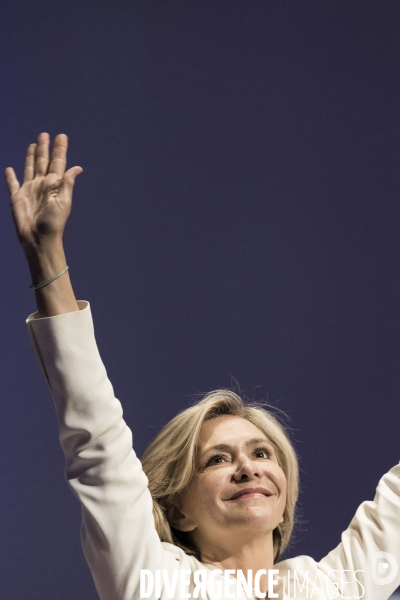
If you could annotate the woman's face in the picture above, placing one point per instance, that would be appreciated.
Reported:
(238, 486)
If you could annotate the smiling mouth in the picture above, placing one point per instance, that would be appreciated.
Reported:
(251, 493)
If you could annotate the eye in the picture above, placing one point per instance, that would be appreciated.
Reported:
(263, 453)
(216, 459)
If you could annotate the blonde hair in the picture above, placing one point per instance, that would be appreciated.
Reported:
(169, 461)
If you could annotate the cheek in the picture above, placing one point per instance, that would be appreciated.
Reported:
(207, 490)
(196, 498)
(282, 478)
(283, 487)
(279, 480)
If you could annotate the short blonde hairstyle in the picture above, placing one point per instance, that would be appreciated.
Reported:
(170, 460)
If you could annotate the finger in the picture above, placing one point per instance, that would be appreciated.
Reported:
(59, 155)
(12, 181)
(42, 154)
(29, 170)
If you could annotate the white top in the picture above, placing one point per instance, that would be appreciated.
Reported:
(118, 533)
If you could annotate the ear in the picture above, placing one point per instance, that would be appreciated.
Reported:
(281, 521)
(177, 519)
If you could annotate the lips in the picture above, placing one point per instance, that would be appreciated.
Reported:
(248, 491)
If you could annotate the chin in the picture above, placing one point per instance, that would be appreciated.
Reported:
(256, 520)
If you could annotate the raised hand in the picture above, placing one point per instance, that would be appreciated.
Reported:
(41, 205)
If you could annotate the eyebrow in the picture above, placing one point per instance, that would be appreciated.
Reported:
(228, 448)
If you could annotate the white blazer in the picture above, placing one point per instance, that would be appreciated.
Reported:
(118, 535)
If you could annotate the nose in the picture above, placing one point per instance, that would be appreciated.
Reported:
(246, 469)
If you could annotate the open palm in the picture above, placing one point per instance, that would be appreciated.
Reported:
(41, 205)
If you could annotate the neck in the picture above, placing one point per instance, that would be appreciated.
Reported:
(238, 554)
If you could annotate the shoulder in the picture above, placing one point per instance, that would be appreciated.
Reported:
(303, 576)
(300, 564)
(178, 559)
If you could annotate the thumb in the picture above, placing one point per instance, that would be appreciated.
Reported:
(67, 182)
(72, 173)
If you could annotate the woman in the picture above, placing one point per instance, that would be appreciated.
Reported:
(216, 507)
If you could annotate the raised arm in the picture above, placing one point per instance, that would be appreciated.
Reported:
(368, 556)
(118, 532)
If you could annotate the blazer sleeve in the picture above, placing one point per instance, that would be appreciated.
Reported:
(369, 550)
(118, 532)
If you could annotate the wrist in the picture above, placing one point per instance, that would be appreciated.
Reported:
(45, 261)
(43, 247)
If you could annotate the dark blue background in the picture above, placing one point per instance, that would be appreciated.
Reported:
(237, 219)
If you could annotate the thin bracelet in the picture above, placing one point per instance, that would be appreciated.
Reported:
(43, 283)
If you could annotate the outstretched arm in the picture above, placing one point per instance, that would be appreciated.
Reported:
(118, 532)
(369, 553)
